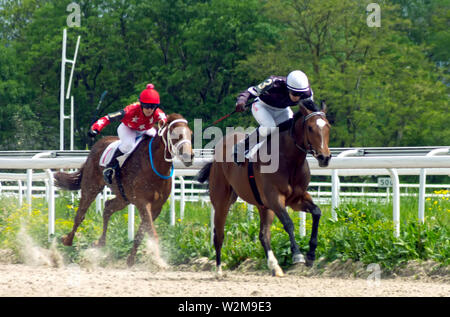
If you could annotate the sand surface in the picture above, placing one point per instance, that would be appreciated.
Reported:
(71, 280)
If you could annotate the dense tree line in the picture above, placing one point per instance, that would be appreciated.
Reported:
(384, 86)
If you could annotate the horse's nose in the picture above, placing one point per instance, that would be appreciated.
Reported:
(323, 160)
(187, 159)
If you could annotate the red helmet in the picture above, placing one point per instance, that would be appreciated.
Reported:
(149, 95)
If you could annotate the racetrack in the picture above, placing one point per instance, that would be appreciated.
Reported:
(26, 280)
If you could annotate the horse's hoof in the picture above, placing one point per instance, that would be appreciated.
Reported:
(277, 272)
(66, 241)
(98, 244)
(298, 258)
(309, 263)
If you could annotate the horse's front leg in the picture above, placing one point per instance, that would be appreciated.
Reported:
(308, 205)
(311, 255)
(288, 225)
(266, 219)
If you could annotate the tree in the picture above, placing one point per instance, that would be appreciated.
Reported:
(380, 87)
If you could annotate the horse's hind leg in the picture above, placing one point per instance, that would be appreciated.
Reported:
(87, 197)
(221, 209)
(266, 218)
(111, 206)
(137, 242)
(222, 197)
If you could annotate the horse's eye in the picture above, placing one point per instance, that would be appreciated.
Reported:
(310, 129)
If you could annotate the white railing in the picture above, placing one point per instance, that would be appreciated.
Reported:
(347, 166)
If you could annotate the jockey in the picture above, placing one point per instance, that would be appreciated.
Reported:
(274, 97)
(137, 119)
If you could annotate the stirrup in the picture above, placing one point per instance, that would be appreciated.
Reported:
(108, 174)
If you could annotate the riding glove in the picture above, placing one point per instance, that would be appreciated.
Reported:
(92, 133)
(240, 106)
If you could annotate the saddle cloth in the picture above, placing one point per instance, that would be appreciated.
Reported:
(110, 149)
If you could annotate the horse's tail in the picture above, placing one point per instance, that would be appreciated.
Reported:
(203, 175)
(69, 181)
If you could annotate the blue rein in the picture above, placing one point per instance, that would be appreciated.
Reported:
(153, 167)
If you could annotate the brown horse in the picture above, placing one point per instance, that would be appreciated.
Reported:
(287, 186)
(140, 182)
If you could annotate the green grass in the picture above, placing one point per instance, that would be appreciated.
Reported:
(363, 232)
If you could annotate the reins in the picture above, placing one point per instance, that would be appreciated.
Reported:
(167, 140)
(168, 147)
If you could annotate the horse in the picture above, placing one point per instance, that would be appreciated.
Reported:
(307, 132)
(144, 179)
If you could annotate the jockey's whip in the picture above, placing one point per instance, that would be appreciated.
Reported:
(227, 115)
(94, 116)
(224, 117)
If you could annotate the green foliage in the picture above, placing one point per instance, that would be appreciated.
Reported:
(363, 232)
(384, 86)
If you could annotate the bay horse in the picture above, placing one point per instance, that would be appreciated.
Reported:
(307, 132)
(145, 181)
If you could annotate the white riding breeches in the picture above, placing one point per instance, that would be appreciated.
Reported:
(269, 117)
(128, 137)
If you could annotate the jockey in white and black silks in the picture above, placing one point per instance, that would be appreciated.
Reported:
(137, 119)
(274, 97)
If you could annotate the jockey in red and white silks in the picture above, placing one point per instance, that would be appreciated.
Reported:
(137, 119)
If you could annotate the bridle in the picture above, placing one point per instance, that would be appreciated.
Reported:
(173, 149)
(307, 147)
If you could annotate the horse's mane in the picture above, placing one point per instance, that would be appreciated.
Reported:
(297, 115)
(286, 125)
(174, 116)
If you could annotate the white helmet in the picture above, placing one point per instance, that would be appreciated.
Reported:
(297, 81)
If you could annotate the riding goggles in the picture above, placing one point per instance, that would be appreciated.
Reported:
(149, 105)
(301, 94)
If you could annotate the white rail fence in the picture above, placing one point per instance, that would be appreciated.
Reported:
(437, 163)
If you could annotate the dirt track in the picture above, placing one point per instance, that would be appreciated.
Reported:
(23, 280)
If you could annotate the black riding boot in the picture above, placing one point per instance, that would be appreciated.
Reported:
(109, 171)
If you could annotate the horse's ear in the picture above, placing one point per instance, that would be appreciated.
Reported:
(323, 105)
(304, 110)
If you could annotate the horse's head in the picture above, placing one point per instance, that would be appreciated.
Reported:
(177, 139)
(311, 134)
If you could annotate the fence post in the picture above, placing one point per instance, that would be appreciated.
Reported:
(395, 201)
(422, 182)
(302, 224)
(249, 211)
(172, 201)
(335, 183)
(211, 223)
(51, 204)
(29, 188)
(130, 222)
(182, 200)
